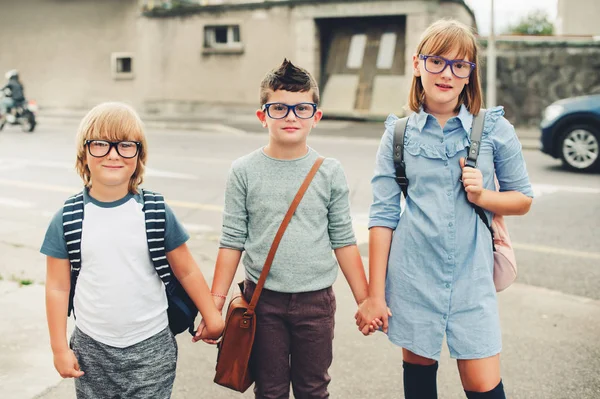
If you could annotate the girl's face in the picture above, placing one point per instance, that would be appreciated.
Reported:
(441, 89)
(112, 170)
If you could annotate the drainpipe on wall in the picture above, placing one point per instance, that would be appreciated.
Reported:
(491, 65)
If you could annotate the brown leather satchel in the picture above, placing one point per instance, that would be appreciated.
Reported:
(235, 347)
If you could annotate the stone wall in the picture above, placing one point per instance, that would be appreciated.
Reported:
(532, 75)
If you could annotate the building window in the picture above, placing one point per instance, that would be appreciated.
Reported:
(356, 52)
(222, 38)
(122, 65)
(387, 51)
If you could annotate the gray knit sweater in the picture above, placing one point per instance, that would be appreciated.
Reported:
(259, 192)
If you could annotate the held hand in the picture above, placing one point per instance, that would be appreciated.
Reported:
(209, 335)
(372, 314)
(67, 365)
(472, 179)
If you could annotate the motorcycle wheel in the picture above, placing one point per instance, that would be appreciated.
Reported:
(28, 123)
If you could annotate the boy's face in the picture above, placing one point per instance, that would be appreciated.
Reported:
(290, 129)
(111, 170)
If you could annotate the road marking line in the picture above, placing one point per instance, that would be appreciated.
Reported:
(362, 237)
(360, 229)
(15, 203)
(557, 251)
(39, 186)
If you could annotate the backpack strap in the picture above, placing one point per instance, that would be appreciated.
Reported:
(471, 161)
(181, 308)
(476, 132)
(72, 228)
(154, 213)
(398, 153)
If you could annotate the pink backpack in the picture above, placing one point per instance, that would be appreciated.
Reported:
(505, 263)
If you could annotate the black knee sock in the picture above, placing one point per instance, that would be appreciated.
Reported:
(420, 382)
(496, 393)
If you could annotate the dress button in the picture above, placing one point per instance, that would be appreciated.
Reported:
(449, 257)
(447, 285)
(446, 163)
(450, 224)
(441, 140)
(445, 317)
(448, 193)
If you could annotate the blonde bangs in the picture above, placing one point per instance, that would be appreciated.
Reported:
(447, 36)
(113, 122)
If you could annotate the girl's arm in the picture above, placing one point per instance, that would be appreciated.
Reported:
(375, 307)
(351, 264)
(504, 203)
(189, 275)
(501, 203)
(58, 284)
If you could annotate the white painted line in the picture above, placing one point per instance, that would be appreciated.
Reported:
(170, 175)
(11, 164)
(540, 189)
(557, 251)
(359, 225)
(197, 228)
(15, 203)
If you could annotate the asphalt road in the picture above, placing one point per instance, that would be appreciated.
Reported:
(550, 318)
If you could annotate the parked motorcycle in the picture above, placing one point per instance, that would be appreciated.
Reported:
(23, 115)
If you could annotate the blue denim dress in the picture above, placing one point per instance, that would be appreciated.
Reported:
(440, 268)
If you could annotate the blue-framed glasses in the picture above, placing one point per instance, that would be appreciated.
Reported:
(281, 110)
(436, 64)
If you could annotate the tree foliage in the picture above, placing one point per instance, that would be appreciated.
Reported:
(536, 22)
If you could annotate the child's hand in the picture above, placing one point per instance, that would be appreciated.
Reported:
(209, 334)
(66, 364)
(472, 179)
(372, 313)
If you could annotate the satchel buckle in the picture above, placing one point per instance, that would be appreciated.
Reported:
(245, 322)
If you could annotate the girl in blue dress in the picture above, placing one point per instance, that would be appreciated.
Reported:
(432, 265)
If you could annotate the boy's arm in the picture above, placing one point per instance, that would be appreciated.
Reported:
(58, 285)
(227, 263)
(189, 275)
(351, 264)
(225, 268)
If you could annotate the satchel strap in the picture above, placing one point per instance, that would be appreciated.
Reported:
(279, 236)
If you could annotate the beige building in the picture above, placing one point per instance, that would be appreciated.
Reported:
(171, 60)
(578, 17)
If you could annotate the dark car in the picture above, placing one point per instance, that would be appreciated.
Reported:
(571, 132)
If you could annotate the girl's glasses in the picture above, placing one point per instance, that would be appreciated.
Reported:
(280, 110)
(125, 149)
(436, 64)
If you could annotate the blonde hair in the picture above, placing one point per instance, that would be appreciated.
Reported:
(443, 37)
(111, 121)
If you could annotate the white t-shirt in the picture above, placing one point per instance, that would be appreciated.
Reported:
(119, 298)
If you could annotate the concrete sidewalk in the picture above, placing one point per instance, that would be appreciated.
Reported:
(550, 351)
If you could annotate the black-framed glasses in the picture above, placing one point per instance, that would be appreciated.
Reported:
(281, 110)
(125, 149)
(436, 64)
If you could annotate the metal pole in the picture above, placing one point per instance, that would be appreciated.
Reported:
(491, 65)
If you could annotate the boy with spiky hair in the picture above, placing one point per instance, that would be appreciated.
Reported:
(295, 313)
